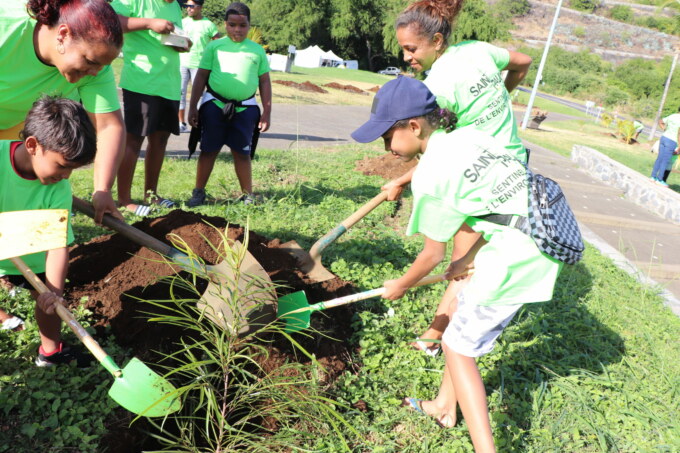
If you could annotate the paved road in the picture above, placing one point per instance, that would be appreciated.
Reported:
(649, 242)
(582, 108)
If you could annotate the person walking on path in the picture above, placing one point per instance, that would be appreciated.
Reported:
(446, 195)
(151, 89)
(466, 79)
(200, 30)
(668, 147)
(232, 69)
(65, 47)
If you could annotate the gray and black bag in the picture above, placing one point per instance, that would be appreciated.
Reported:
(551, 222)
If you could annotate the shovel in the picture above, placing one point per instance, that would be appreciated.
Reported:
(295, 310)
(257, 294)
(137, 388)
(310, 263)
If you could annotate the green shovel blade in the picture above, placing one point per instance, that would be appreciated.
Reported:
(294, 321)
(144, 392)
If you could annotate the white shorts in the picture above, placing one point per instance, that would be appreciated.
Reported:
(473, 329)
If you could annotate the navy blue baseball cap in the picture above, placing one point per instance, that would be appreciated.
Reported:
(399, 99)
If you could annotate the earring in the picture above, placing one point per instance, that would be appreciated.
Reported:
(60, 47)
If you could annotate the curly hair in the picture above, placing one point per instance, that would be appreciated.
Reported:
(89, 20)
(428, 17)
(437, 119)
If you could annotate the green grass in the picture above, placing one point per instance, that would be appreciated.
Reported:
(520, 97)
(595, 370)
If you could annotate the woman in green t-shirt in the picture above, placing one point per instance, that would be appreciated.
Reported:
(64, 47)
(466, 79)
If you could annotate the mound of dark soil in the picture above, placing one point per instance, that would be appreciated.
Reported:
(386, 165)
(304, 86)
(108, 273)
(375, 89)
(348, 88)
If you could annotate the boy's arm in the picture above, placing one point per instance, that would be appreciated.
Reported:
(462, 264)
(196, 92)
(463, 241)
(432, 254)
(161, 26)
(56, 267)
(395, 187)
(265, 86)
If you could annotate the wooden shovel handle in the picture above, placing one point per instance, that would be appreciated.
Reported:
(64, 314)
(126, 230)
(373, 293)
(335, 233)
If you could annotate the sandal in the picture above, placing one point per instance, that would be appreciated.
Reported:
(432, 351)
(165, 203)
(13, 323)
(416, 405)
(142, 210)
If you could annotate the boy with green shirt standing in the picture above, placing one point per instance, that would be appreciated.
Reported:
(462, 175)
(201, 31)
(58, 137)
(232, 69)
(151, 90)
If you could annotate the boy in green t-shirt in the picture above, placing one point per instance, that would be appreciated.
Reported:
(58, 136)
(461, 175)
(232, 68)
(200, 31)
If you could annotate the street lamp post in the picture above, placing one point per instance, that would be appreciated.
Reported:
(530, 105)
(663, 98)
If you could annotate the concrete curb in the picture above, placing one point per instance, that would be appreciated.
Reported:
(637, 188)
(624, 264)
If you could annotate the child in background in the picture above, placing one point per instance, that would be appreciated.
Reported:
(201, 31)
(58, 136)
(461, 175)
(232, 68)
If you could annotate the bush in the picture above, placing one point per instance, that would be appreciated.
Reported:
(584, 5)
(614, 95)
(515, 7)
(579, 32)
(606, 119)
(621, 13)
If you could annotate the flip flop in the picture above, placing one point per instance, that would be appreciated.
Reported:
(414, 404)
(420, 345)
(142, 210)
(12, 323)
(165, 203)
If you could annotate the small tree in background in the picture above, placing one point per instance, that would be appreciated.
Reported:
(627, 131)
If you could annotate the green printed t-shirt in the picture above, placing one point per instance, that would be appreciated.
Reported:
(150, 67)
(672, 123)
(19, 194)
(200, 32)
(235, 67)
(467, 81)
(23, 77)
(467, 173)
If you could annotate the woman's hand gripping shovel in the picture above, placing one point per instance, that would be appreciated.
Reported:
(136, 387)
(295, 310)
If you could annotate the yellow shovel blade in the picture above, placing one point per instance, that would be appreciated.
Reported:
(24, 232)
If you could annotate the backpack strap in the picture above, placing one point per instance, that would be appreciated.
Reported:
(513, 221)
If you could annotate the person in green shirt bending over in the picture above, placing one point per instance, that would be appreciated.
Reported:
(151, 87)
(200, 30)
(466, 79)
(64, 47)
(462, 174)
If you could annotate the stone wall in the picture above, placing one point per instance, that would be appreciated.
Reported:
(637, 188)
(576, 29)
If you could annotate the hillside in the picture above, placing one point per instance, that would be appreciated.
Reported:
(614, 41)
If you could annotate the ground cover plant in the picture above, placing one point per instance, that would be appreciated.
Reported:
(594, 370)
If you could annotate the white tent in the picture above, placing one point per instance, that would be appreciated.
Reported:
(314, 57)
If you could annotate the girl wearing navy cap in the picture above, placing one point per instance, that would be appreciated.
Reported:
(462, 174)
